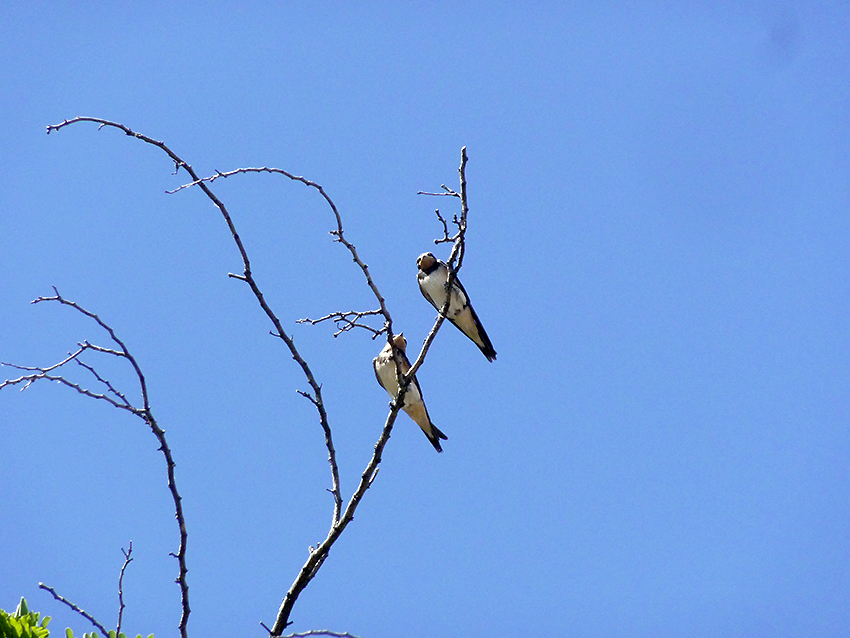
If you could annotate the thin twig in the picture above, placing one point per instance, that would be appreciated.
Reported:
(338, 233)
(70, 357)
(105, 382)
(30, 378)
(127, 561)
(458, 250)
(247, 275)
(340, 519)
(317, 557)
(346, 321)
(445, 239)
(82, 613)
(144, 412)
(447, 192)
(123, 353)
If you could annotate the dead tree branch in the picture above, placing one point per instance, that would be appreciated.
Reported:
(82, 613)
(445, 239)
(120, 401)
(247, 275)
(458, 251)
(447, 192)
(127, 560)
(344, 320)
(340, 519)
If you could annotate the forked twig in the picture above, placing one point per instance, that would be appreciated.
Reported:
(447, 192)
(458, 251)
(339, 519)
(344, 322)
(247, 275)
(445, 239)
(144, 412)
(127, 560)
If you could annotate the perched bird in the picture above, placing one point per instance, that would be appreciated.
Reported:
(385, 372)
(432, 277)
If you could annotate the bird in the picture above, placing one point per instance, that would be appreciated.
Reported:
(432, 277)
(385, 372)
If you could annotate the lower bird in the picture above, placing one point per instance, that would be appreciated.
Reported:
(433, 275)
(385, 371)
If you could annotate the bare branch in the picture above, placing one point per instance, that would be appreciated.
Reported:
(445, 239)
(31, 378)
(104, 382)
(127, 561)
(123, 353)
(318, 556)
(338, 233)
(247, 275)
(448, 192)
(458, 250)
(70, 357)
(82, 613)
(346, 321)
(306, 395)
(143, 412)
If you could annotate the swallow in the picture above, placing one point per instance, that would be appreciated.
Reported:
(432, 277)
(385, 372)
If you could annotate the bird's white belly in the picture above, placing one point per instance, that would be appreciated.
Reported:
(389, 379)
(435, 287)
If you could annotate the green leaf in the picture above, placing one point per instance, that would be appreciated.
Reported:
(22, 609)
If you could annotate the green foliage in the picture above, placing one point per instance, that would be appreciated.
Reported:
(23, 623)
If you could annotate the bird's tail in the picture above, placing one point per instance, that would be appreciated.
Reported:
(488, 350)
(419, 414)
(435, 436)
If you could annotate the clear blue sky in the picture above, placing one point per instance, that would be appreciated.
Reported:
(658, 247)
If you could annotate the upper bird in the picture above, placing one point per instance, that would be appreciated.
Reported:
(432, 277)
(385, 371)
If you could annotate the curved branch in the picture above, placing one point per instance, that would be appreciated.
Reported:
(318, 556)
(338, 233)
(82, 612)
(340, 519)
(247, 277)
(144, 412)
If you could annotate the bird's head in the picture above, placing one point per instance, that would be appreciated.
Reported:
(426, 261)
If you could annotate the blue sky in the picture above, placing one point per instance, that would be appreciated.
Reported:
(657, 246)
